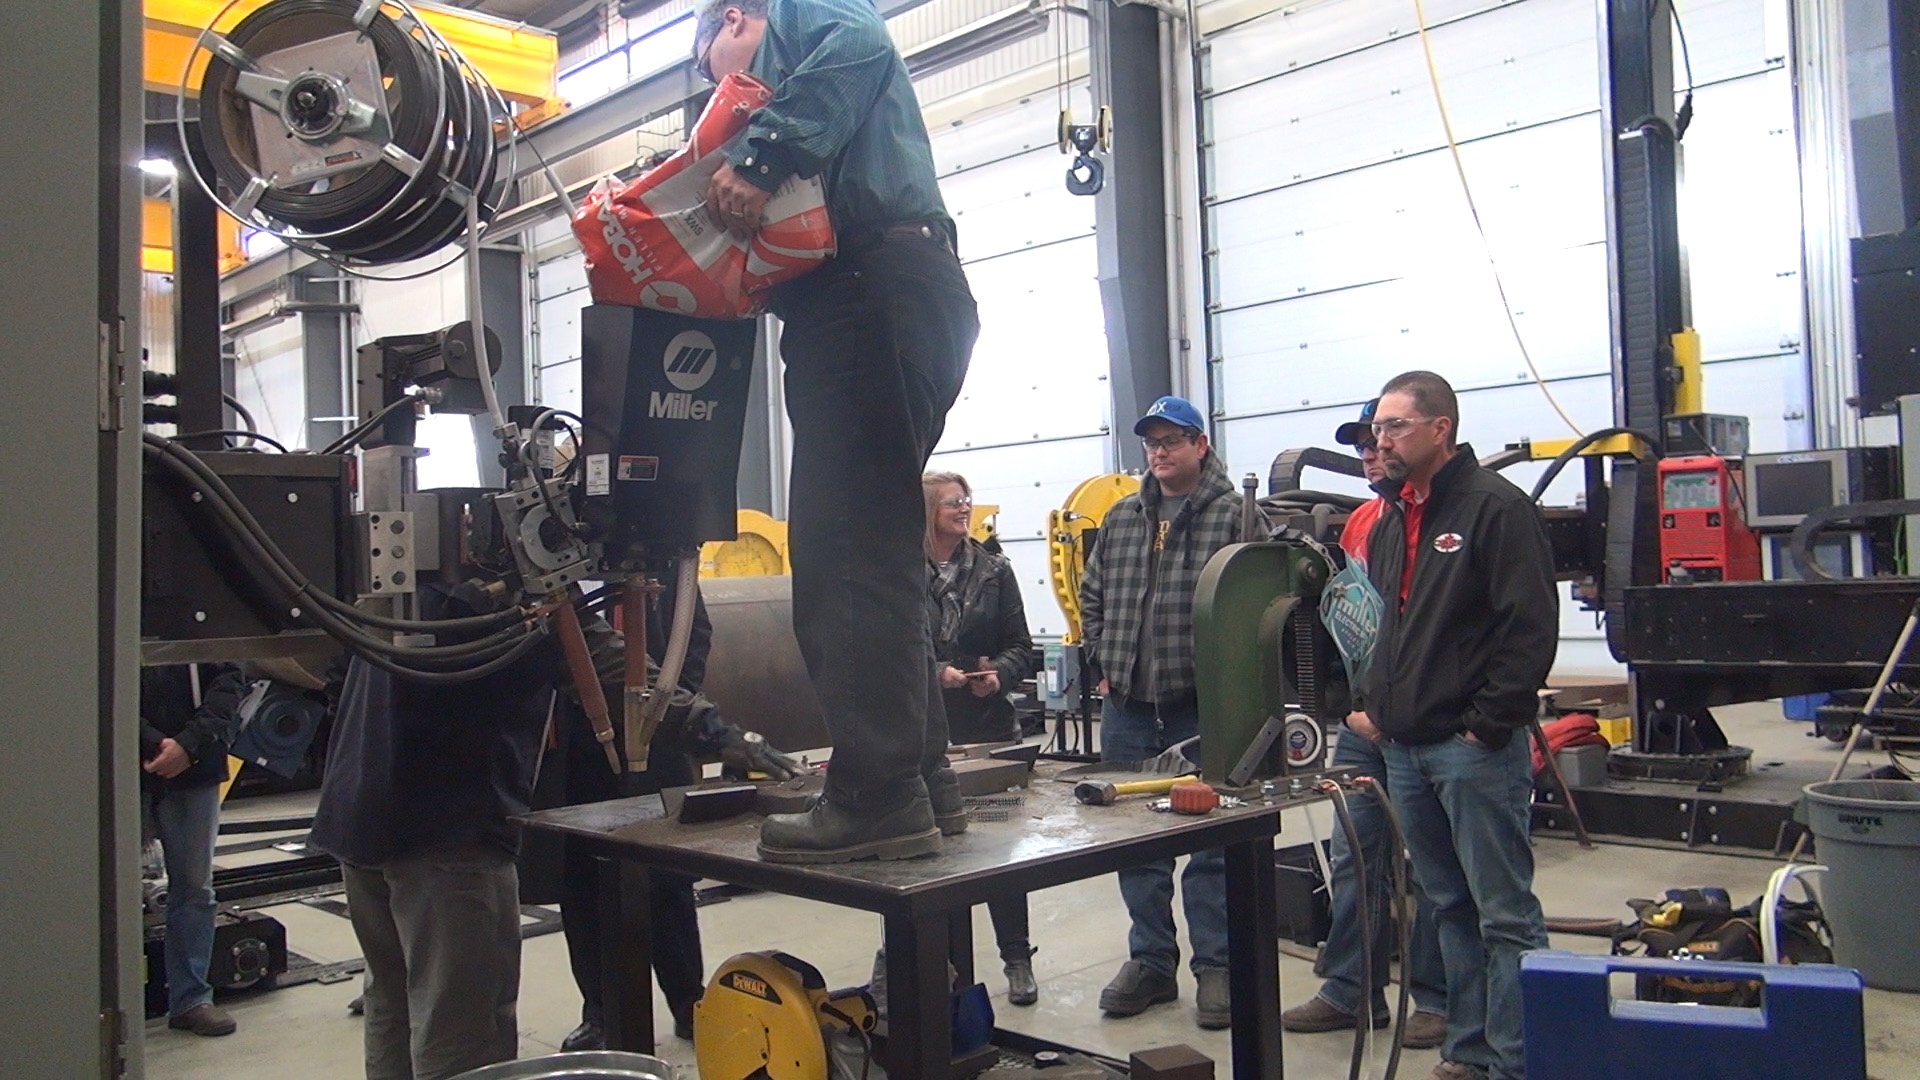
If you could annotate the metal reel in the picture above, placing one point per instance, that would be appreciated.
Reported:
(347, 128)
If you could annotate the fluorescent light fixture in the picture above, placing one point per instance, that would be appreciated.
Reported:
(976, 39)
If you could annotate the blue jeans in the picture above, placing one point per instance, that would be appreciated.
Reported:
(1131, 731)
(1465, 809)
(1342, 954)
(187, 821)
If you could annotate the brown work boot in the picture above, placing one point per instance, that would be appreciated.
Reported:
(1318, 1014)
(1424, 1031)
(204, 1019)
(1453, 1070)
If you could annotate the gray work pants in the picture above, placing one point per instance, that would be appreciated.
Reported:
(441, 936)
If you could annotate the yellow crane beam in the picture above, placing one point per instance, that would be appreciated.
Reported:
(523, 62)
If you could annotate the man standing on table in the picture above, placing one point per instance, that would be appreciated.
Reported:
(876, 344)
(1448, 697)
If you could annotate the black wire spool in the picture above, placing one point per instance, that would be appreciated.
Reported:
(364, 207)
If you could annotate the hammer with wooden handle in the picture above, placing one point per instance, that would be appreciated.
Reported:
(1103, 792)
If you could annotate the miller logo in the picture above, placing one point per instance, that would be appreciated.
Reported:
(689, 362)
(750, 985)
(1448, 543)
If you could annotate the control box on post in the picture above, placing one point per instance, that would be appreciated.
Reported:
(664, 398)
(1703, 522)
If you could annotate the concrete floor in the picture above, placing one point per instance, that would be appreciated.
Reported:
(1079, 928)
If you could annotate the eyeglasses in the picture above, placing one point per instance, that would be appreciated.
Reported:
(703, 67)
(958, 502)
(1398, 426)
(1168, 443)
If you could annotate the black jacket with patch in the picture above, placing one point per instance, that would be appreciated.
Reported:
(1474, 642)
(993, 624)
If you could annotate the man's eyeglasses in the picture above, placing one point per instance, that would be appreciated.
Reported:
(703, 66)
(1168, 443)
(1398, 426)
(958, 502)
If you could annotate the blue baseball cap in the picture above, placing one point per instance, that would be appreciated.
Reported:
(1174, 410)
(1358, 432)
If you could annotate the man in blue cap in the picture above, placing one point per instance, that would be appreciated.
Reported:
(1136, 610)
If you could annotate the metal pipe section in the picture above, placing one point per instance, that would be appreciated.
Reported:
(755, 673)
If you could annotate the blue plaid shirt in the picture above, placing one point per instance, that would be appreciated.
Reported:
(843, 108)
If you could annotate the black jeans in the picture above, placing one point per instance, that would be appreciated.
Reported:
(675, 925)
(876, 346)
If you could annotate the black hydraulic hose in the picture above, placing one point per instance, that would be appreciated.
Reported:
(297, 588)
(1573, 451)
(1306, 498)
(370, 649)
(352, 438)
(1406, 910)
(1363, 1014)
(216, 487)
(246, 416)
(233, 433)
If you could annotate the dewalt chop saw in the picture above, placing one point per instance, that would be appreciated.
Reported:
(769, 1016)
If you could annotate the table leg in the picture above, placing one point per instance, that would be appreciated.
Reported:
(960, 945)
(626, 956)
(1254, 971)
(919, 999)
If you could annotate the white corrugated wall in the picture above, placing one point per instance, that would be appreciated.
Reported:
(1344, 249)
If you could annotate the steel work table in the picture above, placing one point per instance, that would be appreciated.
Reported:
(926, 902)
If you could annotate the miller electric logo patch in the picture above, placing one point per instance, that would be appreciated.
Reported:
(689, 360)
(1448, 543)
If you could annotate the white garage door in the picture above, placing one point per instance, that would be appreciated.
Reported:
(1344, 250)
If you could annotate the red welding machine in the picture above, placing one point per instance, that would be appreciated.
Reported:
(1703, 524)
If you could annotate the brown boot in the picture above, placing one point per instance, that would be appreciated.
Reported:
(1318, 1014)
(1424, 1031)
(205, 1019)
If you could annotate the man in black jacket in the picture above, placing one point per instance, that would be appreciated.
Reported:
(189, 715)
(1449, 695)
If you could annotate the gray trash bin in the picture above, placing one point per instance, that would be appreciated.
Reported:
(587, 1065)
(1868, 834)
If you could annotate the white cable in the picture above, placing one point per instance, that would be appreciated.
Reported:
(477, 316)
(1770, 906)
(1460, 169)
(1319, 850)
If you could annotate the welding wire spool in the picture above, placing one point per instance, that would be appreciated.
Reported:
(349, 129)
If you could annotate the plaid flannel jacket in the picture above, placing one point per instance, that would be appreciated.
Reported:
(1114, 593)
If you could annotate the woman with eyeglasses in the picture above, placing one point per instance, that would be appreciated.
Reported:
(983, 651)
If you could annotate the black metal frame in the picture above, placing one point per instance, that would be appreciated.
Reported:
(925, 922)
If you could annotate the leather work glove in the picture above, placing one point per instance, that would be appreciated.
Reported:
(748, 752)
